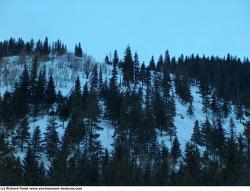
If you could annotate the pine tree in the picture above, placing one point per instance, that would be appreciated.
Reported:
(160, 64)
(205, 91)
(192, 162)
(142, 74)
(51, 140)
(206, 134)
(239, 113)
(105, 164)
(162, 170)
(11, 172)
(22, 133)
(78, 50)
(39, 94)
(107, 61)
(63, 108)
(152, 66)
(22, 94)
(166, 82)
(128, 67)
(136, 68)
(92, 112)
(214, 105)
(75, 131)
(231, 156)
(226, 108)
(36, 142)
(30, 166)
(170, 114)
(115, 61)
(46, 47)
(42, 175)
(50, 92)
(175, 151)
(159, 112)
(76, 101)
(197, 136)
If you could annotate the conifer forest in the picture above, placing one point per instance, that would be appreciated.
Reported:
(66, 119)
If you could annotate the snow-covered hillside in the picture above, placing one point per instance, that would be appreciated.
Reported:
(65, 70)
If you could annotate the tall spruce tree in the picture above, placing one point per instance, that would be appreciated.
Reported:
(128, 67)
(50, 92)
(51, 140)
(22, 136)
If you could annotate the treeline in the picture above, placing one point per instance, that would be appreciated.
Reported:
(228, 76)
(141, 106)
(19, 47)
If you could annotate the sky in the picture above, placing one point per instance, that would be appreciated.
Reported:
(149, 27)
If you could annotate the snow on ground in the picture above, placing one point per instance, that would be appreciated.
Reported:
(106, 134)
(65, 70)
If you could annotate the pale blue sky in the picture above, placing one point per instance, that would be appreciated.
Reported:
(148, 26)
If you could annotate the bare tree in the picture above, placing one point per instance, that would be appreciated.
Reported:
(87, 66)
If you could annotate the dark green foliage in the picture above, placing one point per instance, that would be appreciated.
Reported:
(36, 142)
(78, 50)
(50, 92)
(213, 156)
(197, 135)
(51, 140)
(128, 67)
(175, 151)
(31, 169)
(22, 136)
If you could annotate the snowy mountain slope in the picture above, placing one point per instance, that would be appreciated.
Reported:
(65, 70)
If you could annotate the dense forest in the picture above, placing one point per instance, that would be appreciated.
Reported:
(139, 101)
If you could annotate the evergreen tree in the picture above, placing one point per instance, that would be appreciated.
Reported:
(128, 67)
(142, 74)
(160, 64)
(214, 104)
(36, 142)
(239, 113)
(205, 91)
(22, 133)
(92, 112)
(152, 66)
(46, 47)
(206, 134)
(22, 93)
(50, 92)
(166, 82)
(78, 50)
(231, 156)
(136, 68)
(51, 140)
(30, 167)
(39, 93)
(192, 162)
(105, 172)
(175, 151)
(197, 136)
(115, 60)
(76, 101)
(159, 112)
(74, 132)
